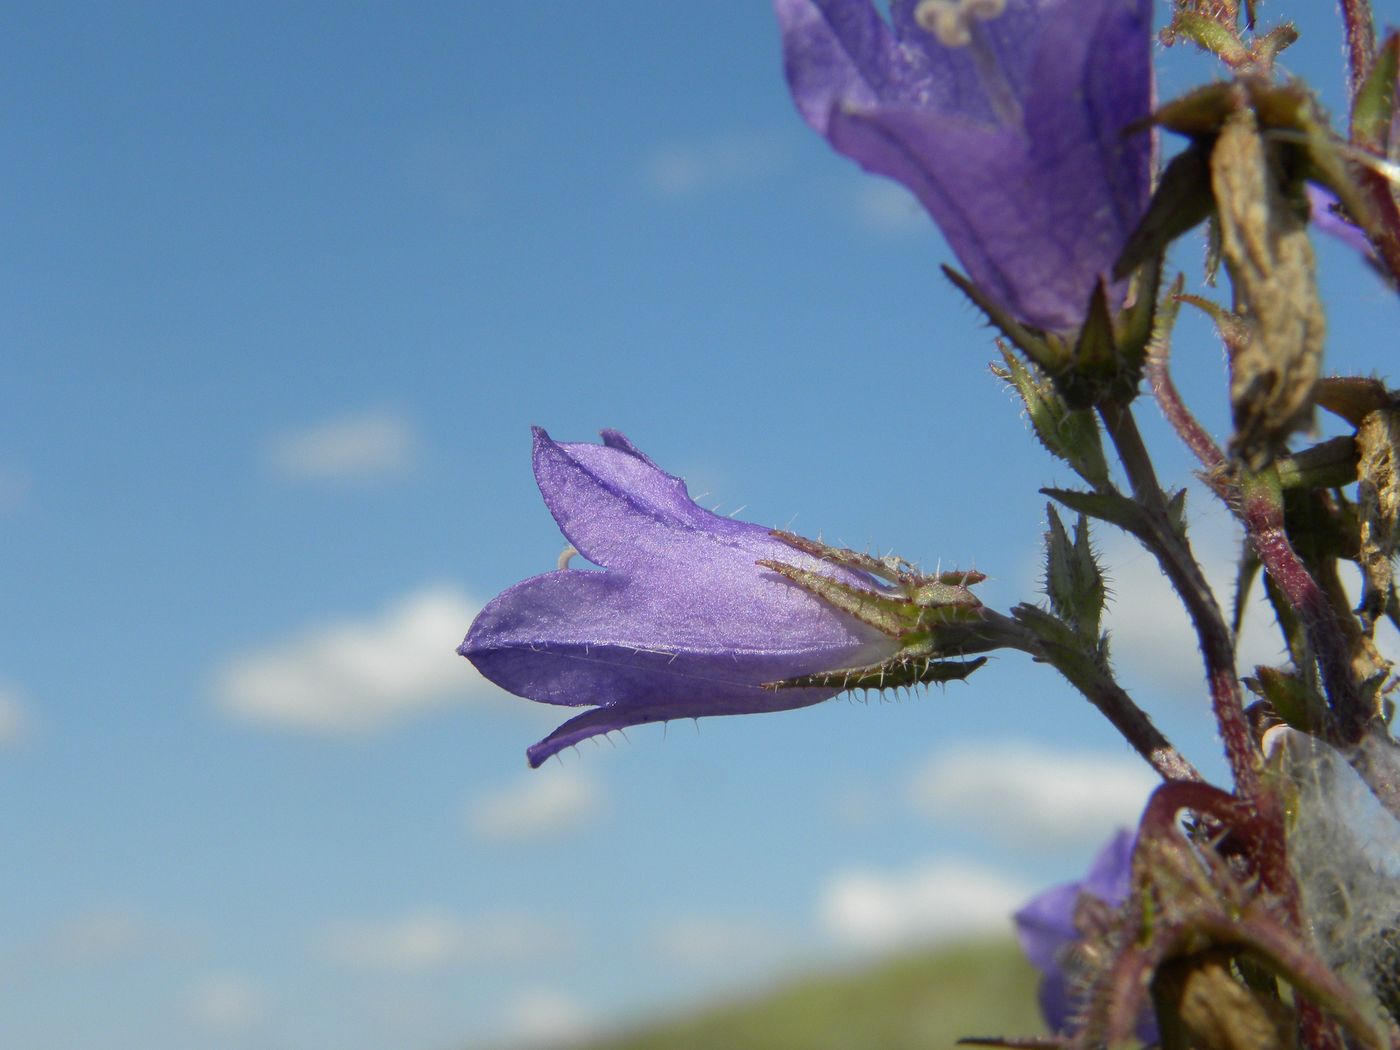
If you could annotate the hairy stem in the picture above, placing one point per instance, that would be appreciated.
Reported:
(1360, 29)
(1262, 510)
(1355, 729)
(1192, 434)
(1178, 563)
(1101, 689)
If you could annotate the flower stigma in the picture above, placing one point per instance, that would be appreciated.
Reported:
(956, 24)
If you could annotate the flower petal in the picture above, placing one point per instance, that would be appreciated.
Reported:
(836, 52)
(645, 650)
(732, 700)
(984, 190)
(1045, 925)
(620, 510)
(579, 637)
(1092, 79)
(1110, 876)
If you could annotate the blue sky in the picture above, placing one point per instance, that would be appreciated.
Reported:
(286, 287)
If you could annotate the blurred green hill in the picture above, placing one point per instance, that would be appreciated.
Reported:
(923, 1001)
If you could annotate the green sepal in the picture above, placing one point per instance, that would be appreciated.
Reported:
(1068, 433)
(1045, 350)
(1210, 35)
(894, 569)
(1137, 325)
(900, 671)
(912, 613)
(1101, 370)
(895, 617)
(1181, 202)
(1373, 110)
(1073, 581)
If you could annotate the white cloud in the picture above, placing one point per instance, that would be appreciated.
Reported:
(887, 207)
(15, 723)
(101, 935)
(1029, 793)
(546, 1017)
(430, 940)
(545, 803)
(358, 447)
(938, 900)
(691, 169)
(226, 1002)
(357, 676)
(112, 933)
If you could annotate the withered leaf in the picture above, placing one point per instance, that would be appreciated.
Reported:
(1378, 503)
(1267, 252)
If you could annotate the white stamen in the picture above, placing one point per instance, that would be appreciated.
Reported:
(565, 556)
(951, 20)
(955, 24)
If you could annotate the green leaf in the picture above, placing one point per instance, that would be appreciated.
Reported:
(1106, 506)
(1070, 434)
(1374, 108)
(1073, 581)
(1049, 354)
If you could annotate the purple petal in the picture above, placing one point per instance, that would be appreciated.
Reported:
(681, 623)
(1032, 252)
(622, 511)
(1110, 876)
(1045, 926)
(1037, 212)
(1057, 1001)
(835, 53)
(580, 637)
(1330, 223)
(647, 651)
(1046, 931)
(735, 700)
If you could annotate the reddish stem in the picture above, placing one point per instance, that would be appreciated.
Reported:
(1262, 510)
(1360, 30)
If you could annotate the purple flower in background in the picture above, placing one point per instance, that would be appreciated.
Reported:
(1008, 119)
(680, 623)
(1047, 931)
(1325, 218)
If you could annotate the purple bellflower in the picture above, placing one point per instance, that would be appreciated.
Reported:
(681, 621)
(1326, 219)
(1048, 932)
(1008, 119)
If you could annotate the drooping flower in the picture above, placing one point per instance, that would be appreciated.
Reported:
(1010, 120)
(1324, 216)
(1047, 930)
(681, 621)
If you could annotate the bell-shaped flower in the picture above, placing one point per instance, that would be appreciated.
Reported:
(1012, 121)
(680, 622)
(1048, 928)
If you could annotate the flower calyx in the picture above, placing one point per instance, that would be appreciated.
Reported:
(930, 616)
